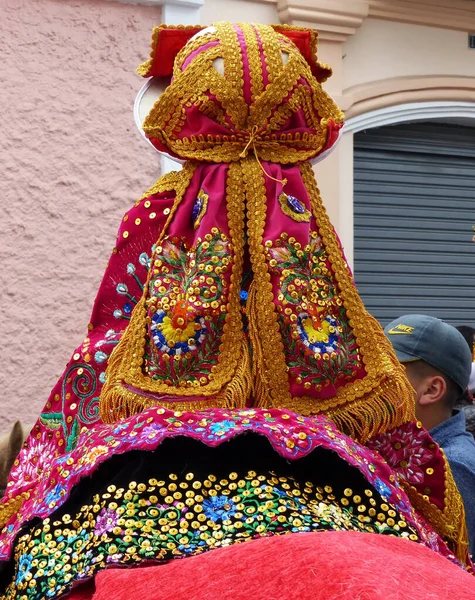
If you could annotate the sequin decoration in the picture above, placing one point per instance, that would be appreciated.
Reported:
(186, 308)
(294, 208)
(200, 207)
(320, 345)
(176, 338)
(183, 516)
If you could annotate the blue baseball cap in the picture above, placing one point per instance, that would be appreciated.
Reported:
(420, 337)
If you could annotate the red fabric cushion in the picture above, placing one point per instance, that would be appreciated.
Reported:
(316, 566)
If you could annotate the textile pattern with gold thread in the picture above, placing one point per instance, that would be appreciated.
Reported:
(184, 516)
(255, 144)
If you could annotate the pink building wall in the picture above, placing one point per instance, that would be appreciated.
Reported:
(72, 163)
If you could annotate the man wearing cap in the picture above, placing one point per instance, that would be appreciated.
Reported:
(438, 365)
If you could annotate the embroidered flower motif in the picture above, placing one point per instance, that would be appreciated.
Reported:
(294, 208)
(173, 339)
(405, 451)
(91, 456)
(24, 565)
(219, 508)
(321, 337)
(106, 521)
(55, 494)
(199, 209)
(382, 487)
(222, 427)
(33, 460)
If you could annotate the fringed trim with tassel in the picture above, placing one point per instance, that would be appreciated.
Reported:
(128, 390)
(449, 523)
(11, 507)
(121, 401)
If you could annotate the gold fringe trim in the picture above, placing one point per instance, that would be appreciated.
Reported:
(450, 523)
(128, 390)
(270, 369)
(260, 382)
(121, 403)
(11, 507)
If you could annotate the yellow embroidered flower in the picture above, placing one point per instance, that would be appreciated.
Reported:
(177, 335)
(322, 334)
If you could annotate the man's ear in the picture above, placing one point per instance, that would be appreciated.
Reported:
(433, 389)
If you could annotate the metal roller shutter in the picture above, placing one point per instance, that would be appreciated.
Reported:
(414, 210)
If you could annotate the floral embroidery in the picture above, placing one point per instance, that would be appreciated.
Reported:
(222, 427)
(36, 459)
(24, 566)
(106, 521)
(219, 508)
(169, 335)
(200, 207)
(320, 346)
(294, 208)
(405, 449)
(184, 515)
(186, 309)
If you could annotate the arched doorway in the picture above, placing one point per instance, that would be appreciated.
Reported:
(414, 207)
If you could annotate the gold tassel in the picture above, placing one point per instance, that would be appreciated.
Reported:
(118, 402)
(259, 379)
(11, 507)
(239, 389)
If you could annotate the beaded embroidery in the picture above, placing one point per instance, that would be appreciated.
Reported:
(184, 516)
(293, 208)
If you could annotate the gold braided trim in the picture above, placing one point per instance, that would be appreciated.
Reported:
(11, 507)
(269, 366)
(279, 89)
(267, 112)
(254, 58)
(144, 68)
(191, 46)
(272, 51)
(383, 399)
(450, 523)
(217, 151)
(166, 183)
(128, 390)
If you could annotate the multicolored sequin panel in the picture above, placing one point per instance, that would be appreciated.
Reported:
(183, 516)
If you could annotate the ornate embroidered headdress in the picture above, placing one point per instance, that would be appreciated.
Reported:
(247, 109)
(234, 289)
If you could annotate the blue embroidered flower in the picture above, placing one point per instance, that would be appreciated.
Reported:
(382, 488)
(243, 295)
(55, 494)
(222, 427)
(24, 566)
(175, 341)
(219, 508)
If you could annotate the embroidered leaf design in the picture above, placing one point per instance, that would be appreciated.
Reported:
(52, 421)
(73, 436)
